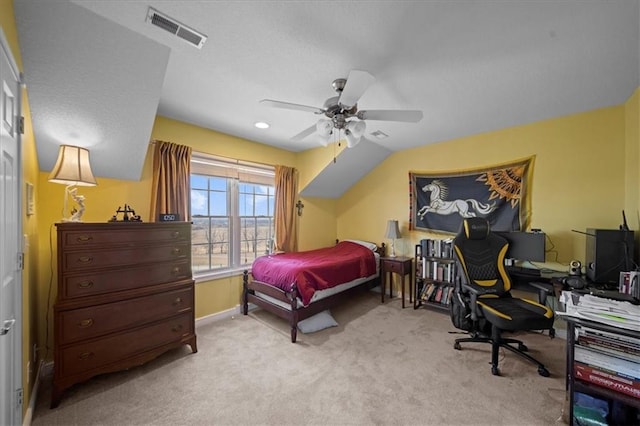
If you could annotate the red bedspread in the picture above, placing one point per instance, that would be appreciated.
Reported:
(315, 269)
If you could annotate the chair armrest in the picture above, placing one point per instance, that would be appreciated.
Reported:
(544, 290)
(473, 293)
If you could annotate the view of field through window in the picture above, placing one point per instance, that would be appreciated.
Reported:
(232, 222)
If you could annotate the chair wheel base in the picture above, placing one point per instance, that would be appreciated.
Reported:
(543, 372)
(494, 370)
(457, 346)
(522, 347)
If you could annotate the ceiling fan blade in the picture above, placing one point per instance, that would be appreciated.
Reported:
(289, 105)
(303, 134)
(407, 116)
(357, 82)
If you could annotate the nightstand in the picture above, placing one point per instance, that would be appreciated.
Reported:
(400, 265)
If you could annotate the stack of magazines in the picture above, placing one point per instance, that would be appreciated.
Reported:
(601, 309)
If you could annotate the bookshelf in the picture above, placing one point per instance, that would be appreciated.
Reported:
(603, 363)
(435, 273)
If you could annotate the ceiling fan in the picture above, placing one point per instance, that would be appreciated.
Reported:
(342, 111)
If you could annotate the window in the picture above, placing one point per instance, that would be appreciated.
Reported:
(232, 206)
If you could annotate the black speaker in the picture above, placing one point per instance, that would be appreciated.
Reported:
(608, 252)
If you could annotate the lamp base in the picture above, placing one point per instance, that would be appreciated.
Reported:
(70, 219)
(76, 214)
(393, 249)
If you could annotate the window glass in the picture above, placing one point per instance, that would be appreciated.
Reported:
(219, 202)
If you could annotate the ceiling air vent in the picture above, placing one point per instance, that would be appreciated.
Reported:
(176, 28)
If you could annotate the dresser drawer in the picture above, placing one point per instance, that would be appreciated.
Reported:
(85, 323)
(100, 236)
(90, 355)
(91, 259)
(94, 283)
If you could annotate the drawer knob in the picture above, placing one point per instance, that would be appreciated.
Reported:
(176, 270)
(176, 234)
(85, 355)
(177, 301)
(85, 259)
(84, 238)
(85, 323)
(176, 250)
(85, 284)
(176, 328)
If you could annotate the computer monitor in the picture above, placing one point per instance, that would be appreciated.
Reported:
(528, 246)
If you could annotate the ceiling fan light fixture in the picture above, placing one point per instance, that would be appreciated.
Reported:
(354, 132)
(261, 125)
(324, 129)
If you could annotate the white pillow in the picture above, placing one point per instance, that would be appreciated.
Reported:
(318, 322)
(367, 244)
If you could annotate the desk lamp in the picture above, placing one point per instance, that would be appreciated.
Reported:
(72, 168)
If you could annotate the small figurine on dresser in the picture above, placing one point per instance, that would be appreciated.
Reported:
(128, 215)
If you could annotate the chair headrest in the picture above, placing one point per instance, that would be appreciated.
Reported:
(476, 228)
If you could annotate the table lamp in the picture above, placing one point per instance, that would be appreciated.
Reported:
(393, 233)
(72, 168)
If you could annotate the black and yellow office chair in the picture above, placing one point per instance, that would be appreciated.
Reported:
(484, 286)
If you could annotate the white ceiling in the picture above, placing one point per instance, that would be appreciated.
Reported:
(97, 73)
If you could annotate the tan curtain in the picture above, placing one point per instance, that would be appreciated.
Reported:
(170, 183)
(286, 225)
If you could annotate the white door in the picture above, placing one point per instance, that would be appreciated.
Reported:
(10, 247)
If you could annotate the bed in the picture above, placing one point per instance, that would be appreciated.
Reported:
(296, 286)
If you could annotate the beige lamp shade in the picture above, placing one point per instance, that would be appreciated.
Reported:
(393, 231)
(72, 167)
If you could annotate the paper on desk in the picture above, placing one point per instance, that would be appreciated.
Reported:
(607, 311)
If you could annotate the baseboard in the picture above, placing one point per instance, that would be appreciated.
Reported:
(208, 319)
(44, 371)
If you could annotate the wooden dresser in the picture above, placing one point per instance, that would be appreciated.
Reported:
(125, 296)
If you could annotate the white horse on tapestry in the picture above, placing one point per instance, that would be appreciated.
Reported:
(439, 205)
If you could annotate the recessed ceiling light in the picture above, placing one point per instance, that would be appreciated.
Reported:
(262, 125)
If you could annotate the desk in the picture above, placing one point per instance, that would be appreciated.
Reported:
(400, 265)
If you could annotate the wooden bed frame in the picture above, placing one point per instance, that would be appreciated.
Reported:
(296, 313)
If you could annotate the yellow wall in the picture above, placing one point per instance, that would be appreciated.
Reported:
(317, 224)
(632, 165)
(579, 178)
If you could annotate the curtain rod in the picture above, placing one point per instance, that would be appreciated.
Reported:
(227, 159)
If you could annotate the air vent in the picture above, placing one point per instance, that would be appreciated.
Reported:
(379, 134)
(189, 35)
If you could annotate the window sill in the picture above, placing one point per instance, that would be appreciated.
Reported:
(210, 276)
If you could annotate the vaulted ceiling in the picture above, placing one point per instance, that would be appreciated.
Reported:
(97, 72)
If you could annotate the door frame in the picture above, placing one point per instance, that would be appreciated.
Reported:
(17, 401)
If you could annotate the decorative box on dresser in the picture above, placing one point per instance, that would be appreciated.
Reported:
(125, 296)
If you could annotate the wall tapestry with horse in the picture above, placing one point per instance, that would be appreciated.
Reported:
(501, 193)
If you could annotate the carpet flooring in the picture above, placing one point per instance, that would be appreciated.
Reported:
(382, 365)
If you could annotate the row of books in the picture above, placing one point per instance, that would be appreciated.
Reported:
(436, 293)
(437, 248)
(608, 360)
(438, 270)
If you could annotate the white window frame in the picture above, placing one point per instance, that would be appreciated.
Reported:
(235, 171)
